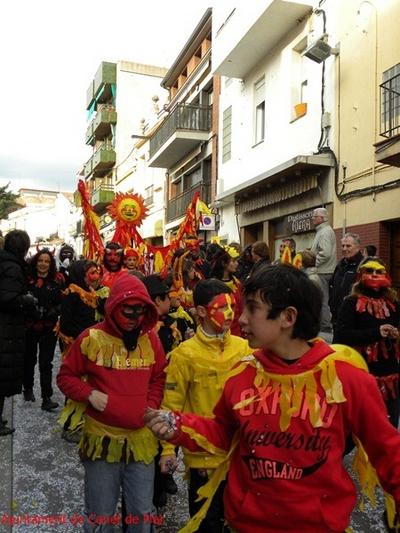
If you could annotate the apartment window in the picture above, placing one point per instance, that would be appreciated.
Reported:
(149, 195)
(259, 111)
(390, 102)
(226, 134)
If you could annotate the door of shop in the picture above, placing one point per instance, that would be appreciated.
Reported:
(252, 233)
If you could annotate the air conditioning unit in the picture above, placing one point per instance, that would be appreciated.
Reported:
(319, 50)
(207, 223)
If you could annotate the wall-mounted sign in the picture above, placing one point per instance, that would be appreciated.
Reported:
(207, 223)
(298, 222)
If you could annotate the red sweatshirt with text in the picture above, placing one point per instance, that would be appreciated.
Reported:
(132, 384)
(294, 480)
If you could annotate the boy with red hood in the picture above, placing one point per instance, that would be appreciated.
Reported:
(285, 415)
(123, 361)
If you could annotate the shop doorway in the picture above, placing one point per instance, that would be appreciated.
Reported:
(252, 233)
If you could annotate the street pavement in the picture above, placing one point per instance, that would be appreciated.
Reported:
(41, 478)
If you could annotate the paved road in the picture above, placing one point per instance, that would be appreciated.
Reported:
(40, 476)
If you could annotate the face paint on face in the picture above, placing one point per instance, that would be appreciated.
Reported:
(220, 310)
(92, 277)
(128, 315)
(374, 276)
(112, 259)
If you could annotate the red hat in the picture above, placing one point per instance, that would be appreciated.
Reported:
(131, 252)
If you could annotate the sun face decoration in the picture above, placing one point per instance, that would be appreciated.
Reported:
(128, 208)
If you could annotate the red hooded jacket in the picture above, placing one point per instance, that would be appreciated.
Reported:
(131, 384)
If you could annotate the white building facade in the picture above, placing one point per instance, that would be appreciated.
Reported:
(275, 160)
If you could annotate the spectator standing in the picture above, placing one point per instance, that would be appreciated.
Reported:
(345, 273)
(245, 264)
(370, 250)
(259, 255)
(45, 284)
(15, 303)
(324, 247)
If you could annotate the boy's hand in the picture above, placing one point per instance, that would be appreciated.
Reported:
(168, 464)
(98, 400)
(161, 423)
(189, 333)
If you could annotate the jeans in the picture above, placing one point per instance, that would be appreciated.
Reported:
(103, 482)
(326, 316)
(46, 343)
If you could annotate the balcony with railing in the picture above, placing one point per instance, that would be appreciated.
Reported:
(185, 128)
(102, 88)
(388, 151)
(176, 207)
(101, 162)
(100, 126)
(101, 197)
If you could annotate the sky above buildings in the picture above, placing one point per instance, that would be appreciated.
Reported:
(50, 51)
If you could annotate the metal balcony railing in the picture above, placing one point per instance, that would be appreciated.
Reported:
(390, 107)
(176, 207)
(184, 117)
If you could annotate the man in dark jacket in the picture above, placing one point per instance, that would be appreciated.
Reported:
(345, 273)
(15, 304)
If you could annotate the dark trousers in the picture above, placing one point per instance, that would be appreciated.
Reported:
(214, 519)
(46, 344)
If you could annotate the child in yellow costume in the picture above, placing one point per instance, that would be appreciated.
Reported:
(196, 376)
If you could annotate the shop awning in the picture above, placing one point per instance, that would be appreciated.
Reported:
(295, 170)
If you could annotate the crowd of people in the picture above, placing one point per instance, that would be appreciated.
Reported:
(224, 354)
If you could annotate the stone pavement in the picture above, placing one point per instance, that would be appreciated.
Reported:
(40, 476)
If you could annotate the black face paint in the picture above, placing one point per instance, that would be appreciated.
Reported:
(133, 312)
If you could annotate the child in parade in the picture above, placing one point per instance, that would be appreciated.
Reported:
(196, 375)
(223, 267)
(284, 416)
(45, 284)
(123, 363)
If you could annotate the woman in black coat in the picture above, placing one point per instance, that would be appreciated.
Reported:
(45, 284)
(14, 305)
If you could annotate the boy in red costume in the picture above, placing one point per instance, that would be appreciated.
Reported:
(123, 363)
(284, 416)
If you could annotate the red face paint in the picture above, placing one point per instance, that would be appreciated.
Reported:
(375, 281)
(92, 277)
(112, 259)
(221, 310)
(129, 314)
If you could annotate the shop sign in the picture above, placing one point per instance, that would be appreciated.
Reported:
(298, 222)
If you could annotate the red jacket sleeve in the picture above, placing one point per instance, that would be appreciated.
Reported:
(157, 378)
(73, 368)
(217, 431)
(370, 424)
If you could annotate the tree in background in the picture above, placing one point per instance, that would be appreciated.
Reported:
(8, 201)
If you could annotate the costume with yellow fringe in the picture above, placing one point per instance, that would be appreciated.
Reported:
(196, 376)
(132, 379)
(284, 427)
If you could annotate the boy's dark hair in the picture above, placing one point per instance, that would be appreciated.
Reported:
(206, 289)
(282, 286)
(17, 242)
